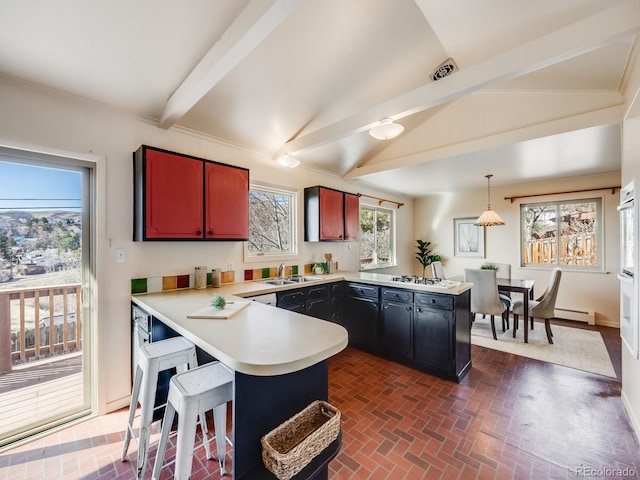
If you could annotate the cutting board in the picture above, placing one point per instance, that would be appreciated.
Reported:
(230, 309)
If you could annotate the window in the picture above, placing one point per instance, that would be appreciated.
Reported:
(563, 234)
(377, 237)
(272, 223)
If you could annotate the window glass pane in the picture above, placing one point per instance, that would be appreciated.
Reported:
(383, 236)
(578, 237)
(377, 233)
(540, 230)
(367, 237)
(270, 222)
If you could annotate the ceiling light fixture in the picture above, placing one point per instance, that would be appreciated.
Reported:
(288, 160)
(386, 130)
(489, 218)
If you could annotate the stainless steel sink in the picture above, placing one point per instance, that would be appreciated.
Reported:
(300, 279)
(290, 280)
(278, 281)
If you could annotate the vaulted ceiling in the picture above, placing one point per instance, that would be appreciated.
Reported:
(538, 92)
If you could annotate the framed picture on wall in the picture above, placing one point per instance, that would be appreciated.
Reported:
(468, 238)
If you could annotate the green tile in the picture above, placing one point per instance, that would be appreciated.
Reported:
(138, 285)
(266, 272)
(294, 269)
(209, 279)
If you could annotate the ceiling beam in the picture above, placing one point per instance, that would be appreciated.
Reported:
(604, 116)
(247, 31)
(578, 38)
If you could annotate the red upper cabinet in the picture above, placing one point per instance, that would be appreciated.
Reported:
(331, 214)
(326, 217)
(227, 200)
(178, 197)
(351, 216)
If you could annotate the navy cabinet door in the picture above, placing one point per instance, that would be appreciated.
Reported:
(433, 338)
(397, 329)
(361, 321)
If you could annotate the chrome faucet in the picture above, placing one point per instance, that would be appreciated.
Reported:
(281, 271)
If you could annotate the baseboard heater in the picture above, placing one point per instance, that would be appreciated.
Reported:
(577, 315)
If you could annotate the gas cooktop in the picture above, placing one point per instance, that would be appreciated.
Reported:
(416, 279)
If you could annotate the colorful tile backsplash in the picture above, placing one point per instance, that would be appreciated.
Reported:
(269, 272)
(178, 282)
(173, 282)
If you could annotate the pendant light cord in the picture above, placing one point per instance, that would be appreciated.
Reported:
(488, 191)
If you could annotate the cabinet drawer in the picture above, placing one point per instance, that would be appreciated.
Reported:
(397, 295)
(360, 290)
(433, 300)
(289, 297)
(320, 291)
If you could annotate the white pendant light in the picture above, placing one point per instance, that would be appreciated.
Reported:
(386, 130)
(288, 160)
(489, 218)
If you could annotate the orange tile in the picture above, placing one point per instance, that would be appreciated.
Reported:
(227, 277)
(169, 283)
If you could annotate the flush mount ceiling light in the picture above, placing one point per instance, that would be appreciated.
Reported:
(288, 160)
(489, 218)
(386, 130)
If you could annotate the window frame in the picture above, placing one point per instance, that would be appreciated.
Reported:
(294, 194)
(599, 236)
(392, 240)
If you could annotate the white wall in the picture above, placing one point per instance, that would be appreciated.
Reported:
(54, 121)
(630, 170)
(590, 291)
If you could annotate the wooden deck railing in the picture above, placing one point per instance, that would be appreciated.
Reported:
(54, 326)
(578, 249)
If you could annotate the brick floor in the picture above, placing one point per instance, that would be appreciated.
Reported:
(510, 418)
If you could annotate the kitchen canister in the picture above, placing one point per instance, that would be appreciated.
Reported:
(215, 277)
(201, 277)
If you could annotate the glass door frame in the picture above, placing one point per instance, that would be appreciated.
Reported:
(91, 168)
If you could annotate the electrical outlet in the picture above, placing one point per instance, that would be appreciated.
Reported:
(120, 255)
(230, 266)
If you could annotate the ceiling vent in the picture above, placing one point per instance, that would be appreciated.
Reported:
(445, 69)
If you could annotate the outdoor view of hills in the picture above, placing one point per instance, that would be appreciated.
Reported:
(37, 246)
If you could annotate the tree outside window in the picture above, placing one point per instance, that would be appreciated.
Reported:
(272, 227)
(563, 234)
(377, 234)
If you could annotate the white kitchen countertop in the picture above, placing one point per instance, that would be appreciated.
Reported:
(261, 339)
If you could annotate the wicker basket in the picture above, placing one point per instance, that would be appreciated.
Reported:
(288, 448)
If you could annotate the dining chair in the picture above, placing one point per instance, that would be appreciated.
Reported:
(484, 295)
(437, 271)
(503, 270)
(543, 307)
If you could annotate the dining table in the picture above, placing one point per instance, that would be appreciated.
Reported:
(509, 285)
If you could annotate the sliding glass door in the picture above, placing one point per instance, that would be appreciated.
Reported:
(45, 287)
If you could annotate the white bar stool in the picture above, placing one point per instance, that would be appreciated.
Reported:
(207, 387)
(177, 352)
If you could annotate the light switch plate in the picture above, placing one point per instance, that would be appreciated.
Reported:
(120, 255)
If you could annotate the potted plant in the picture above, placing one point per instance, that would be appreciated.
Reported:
(424, 255)
(488, 266)
(319, 268)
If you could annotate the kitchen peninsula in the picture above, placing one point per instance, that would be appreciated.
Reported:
(280, 357)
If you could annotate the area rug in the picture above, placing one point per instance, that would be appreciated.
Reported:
(572, 347)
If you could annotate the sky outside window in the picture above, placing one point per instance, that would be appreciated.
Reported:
(29, 187)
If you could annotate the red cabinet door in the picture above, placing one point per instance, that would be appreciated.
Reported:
(351, 216)
(227, 202)
(173, 196)
(331, 214)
